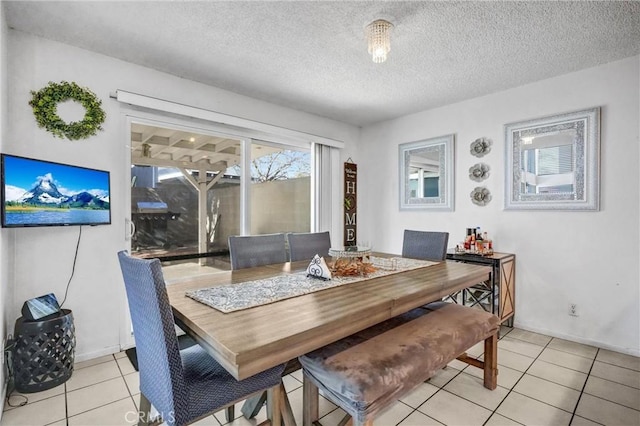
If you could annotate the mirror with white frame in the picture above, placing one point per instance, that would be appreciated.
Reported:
(553, 163)
(426, 174)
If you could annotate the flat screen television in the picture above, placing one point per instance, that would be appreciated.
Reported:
(44, 193)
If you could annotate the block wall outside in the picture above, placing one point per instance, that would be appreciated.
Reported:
(276, 206)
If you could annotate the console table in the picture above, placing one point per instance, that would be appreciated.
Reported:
(496, 295)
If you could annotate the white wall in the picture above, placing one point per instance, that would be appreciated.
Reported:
(44, 256)
(587, 258)
(6, 255)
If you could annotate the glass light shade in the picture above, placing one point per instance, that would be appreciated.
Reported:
(379, 39)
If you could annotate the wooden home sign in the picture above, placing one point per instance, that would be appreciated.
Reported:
(350, 203)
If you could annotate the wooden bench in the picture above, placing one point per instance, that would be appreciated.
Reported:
(368, 371)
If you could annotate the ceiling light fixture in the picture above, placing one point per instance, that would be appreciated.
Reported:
(379, 38)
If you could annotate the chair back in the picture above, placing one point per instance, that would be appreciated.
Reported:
(305, 245)
(159, 362)
(425, 245)
(257, 250)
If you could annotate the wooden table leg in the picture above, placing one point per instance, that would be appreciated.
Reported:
(274, 401)
(145, 411)
(310, 402)
(287, 411)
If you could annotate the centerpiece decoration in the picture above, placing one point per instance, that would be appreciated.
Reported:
(351, 261)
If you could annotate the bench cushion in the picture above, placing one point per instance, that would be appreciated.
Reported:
(365, 372)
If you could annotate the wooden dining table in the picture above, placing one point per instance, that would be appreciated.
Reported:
(249, 341)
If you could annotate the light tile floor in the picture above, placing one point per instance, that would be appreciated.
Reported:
(541, 381)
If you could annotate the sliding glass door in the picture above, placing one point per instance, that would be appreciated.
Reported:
(187, 197)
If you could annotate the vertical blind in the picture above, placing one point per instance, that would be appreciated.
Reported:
(555, 160)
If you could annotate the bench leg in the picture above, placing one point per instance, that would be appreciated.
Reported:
(309, 401)
(351, 422)
(346, 421)
(491, 362)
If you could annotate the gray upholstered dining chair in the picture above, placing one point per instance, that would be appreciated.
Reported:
(305, 245)
(257, 250)
(425, 245)
(183, 385)
(248, 252)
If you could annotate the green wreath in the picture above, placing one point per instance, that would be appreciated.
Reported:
(45, 108)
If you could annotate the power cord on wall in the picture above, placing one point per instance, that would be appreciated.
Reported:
(73, 269)
(8, 350)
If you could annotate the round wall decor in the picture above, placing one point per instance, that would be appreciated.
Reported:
(45, 108)
(480, 196)
(480, 147)
(479, 172)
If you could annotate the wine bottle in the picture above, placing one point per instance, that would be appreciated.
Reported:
(479, 241)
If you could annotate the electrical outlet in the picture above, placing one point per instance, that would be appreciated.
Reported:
(573, 309)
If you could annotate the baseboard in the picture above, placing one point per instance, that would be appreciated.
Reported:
(528, 327)
(3, 394)
(112, 349)
(79, 357)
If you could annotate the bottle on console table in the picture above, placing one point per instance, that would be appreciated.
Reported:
(467, 239)
(479, 241)
(487, 242)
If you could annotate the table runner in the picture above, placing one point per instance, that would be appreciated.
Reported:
(248, 294)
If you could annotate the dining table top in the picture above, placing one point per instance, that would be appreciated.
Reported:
(252, 340)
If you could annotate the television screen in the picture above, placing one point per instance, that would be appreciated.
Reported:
(43, 193)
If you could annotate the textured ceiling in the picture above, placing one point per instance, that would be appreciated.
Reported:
(312, 56)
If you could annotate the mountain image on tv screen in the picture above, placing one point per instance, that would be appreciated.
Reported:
(42, 193)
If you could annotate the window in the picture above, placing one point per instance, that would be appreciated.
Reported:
(280, 189)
